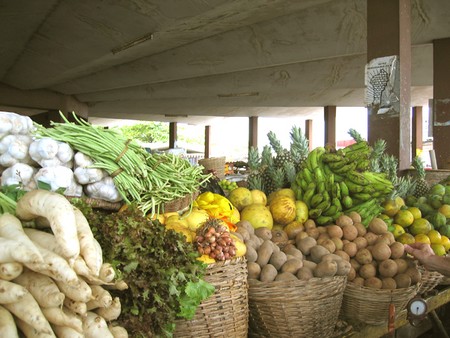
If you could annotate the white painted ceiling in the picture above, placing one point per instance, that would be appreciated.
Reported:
(190, 60)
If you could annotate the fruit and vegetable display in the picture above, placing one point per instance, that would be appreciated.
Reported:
(53, 278)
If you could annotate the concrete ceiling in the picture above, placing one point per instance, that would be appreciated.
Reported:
(193, 60)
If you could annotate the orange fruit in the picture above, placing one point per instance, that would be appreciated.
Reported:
(445, 210)
(422, 238)
(445, 241)
(434, 236)
(398, 230)
(415, 211)
(420, 226)
(404, 218)
(390, 208)
(406, 238)
(438, 249)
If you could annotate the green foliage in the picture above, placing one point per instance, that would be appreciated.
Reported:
(159, 266)
(147, 132)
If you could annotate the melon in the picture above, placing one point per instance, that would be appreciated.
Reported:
(258, 215)
(283, 210)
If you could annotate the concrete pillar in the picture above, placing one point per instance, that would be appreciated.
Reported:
(253, 131)
(309, 132)
(389, 34)
(441, 102)
(417, 134)
(330, 125)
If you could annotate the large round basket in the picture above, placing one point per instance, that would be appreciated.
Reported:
(180, 203)
(295, 308)
(371, 306)
(225, 313)
(429, 280)
(214, 164)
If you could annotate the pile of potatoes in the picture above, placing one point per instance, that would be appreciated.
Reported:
(273, 256)
(367, 256)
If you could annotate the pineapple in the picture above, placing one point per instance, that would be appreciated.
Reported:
(421, 184)
(299, 147)
(282, 155)
(379, 148)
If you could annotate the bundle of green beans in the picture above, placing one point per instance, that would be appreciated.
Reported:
(146, 179)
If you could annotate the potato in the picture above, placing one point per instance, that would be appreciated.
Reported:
(388, 283)
(343, 267)
(325, 269)
(343, 255)
(363, 256)
(329, 245)
(387, 237)
(292, 265)
(264, 253)
(313, 232)
(278, 259)
(358, 281)
(373, 282)
(305, 244)
(254, 270)
(381, 251)
(238, 235)
(335, 231)
(387, 268)
(350, 232)
(402, 265)
(305, 273)
(414, 274)
(371, 238)
(350, 249)
(251, 254)
(264, 233)
(268, 273)
(356, 218)
(247, 225)
(300, 235)
(309, 224)
(344, 220)
(317, 252)
(367, 270)
(243, 232)
(338, 243)
(279, 237)
(309, 264)
(402, 280)
(351, 274)
(360, 242)
(275, 247)
(331, 257)
(397, 250)
(355, 264)
(378, 226)
(322, 237)
(362, 230)
(285, 276)
(293, 251)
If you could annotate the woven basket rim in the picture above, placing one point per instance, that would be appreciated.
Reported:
(180, 203)
(98, 203)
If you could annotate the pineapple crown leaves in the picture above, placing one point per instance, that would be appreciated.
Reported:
(254, 160)
(378, 150)
(403, 186)
(255, 182)
(299, 145)
(266, 156)
(290, 172)
(275, 143)
(278, 177)
(389, 166)
(417, 164)
(355, 135)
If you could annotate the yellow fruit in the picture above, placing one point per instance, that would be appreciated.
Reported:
(420, 226)
(404, 218)
(435, 237)
(278, 227)
(406, 238)
(390, 208)
(240, 197)
(259, 197)
(235, 216)
(438, 249)
(258, 216)
(415, 212)
(283, 210)
(206, 259)
(288, 192)
(398, 230)
(195, 218)
(399, 201)
(422, 238)
(241, 248)
(445, 241)
(445, 210)
(301, 211)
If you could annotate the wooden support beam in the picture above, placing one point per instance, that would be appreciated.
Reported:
(417, 133)
(173, 134)
(253, 131)
(330, 125)
(207, 141)
(309, 132)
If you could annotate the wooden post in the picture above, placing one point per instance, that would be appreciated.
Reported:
(309, 132)
(173, 136)
(330, 125)
(417, 134)
(253, 131)
(207, 140)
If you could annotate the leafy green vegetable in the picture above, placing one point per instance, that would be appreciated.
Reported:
(160, 267)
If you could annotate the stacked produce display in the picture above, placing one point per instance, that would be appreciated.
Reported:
(321, 217)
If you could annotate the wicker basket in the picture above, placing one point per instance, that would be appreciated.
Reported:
(429, 280)
(214, 164)
(225, 313)
(180, 203)
(371, 306)
(295, 308)
(98, 203)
